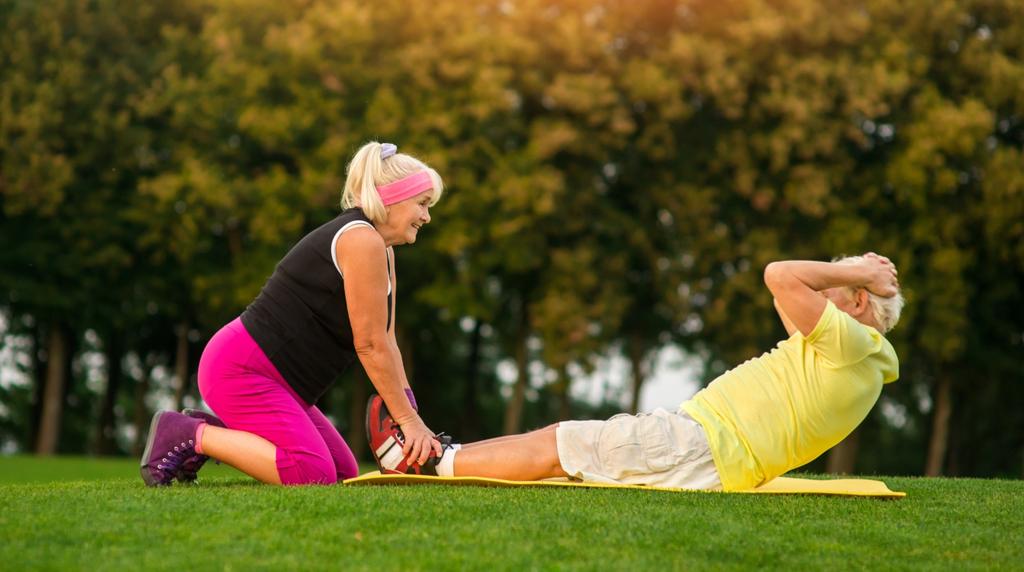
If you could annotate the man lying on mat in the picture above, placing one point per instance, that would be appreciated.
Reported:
(753, 423)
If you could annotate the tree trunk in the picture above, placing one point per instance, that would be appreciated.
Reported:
(53, 394)
(565, 395)
(105, 430)
(954, 445)
(140, 411)
(940, 427)
(181, 366)
(636, 358)
(514, 408)
(38, 387)
(843, 457)
(470, 394)
(357, 413)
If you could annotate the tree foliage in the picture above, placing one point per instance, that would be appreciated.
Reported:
(619, 175)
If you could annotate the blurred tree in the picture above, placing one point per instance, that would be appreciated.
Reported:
(619, 174)
(68, 170)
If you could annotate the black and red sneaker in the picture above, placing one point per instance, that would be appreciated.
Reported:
(386, 441)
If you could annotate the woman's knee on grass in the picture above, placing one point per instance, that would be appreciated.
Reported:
(305, 467)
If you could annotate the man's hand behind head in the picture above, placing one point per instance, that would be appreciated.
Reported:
(882, 275)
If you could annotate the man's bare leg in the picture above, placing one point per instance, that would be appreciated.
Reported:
(529, 457)
(495, 440)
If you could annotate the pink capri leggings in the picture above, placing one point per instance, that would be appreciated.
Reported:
(246, 391)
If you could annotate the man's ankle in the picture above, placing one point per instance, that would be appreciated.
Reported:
(446, 464)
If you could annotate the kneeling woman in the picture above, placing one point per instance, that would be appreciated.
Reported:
(330, 300)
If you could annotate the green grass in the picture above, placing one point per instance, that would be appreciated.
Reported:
(108, 520)
(63, 469)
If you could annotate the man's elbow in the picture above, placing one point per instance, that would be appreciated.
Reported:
(774, 274)
(778, 277)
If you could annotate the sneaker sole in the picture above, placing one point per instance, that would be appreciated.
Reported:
(388, 456)
(369, 411)
(204, 417)
(144, 469)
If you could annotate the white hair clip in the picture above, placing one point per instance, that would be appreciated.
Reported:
(387, 150)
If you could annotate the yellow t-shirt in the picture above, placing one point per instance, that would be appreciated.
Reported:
(783, 409)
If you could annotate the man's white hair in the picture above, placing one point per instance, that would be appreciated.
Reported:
(886, 311)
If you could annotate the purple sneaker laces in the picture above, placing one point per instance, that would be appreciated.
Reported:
(173, 459)
(171, 441)
(189, 470)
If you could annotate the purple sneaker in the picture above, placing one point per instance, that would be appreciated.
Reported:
(171, 441)
(190, 467)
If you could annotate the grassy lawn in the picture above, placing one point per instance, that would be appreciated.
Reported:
(61, 514)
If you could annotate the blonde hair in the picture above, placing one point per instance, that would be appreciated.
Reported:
(886, 311)
(367, 171)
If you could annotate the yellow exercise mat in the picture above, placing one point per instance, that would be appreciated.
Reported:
(779, 486)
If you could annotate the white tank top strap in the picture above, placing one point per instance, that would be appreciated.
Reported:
(334, 248)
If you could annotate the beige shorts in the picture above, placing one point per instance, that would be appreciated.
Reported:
(655, 449)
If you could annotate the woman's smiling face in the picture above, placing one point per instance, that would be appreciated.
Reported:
(405, 219)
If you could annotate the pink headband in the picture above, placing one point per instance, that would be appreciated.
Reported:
(402, 189)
